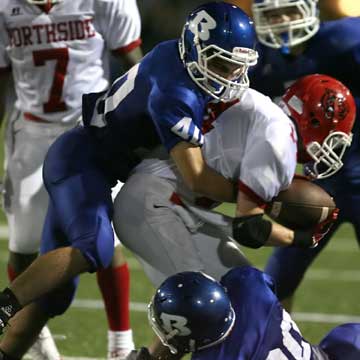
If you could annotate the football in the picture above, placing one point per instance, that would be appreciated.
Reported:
(302, 206)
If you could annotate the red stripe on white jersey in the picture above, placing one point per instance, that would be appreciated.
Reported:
(251, 194)
(125, 49)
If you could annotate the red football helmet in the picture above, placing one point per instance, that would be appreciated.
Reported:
(323, 110)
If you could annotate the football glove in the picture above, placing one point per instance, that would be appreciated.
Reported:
(324, 227)
(311, 238)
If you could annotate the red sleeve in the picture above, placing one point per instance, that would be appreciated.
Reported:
(251, 194)
(127, 48)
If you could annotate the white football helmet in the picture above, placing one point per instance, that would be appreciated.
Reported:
(289, 32)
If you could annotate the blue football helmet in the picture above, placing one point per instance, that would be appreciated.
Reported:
(217, 47)
(289, 31)
(191, 311)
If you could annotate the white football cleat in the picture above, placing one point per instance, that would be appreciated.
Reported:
(44, 347)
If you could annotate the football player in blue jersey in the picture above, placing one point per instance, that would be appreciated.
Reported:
(293, 43)
(239, 318)
(161, 100)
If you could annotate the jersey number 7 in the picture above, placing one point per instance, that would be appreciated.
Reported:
(61, 56)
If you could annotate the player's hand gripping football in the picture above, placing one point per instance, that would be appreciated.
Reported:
(324, 227)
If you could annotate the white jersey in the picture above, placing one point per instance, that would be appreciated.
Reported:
(253, 143)
(56, 56)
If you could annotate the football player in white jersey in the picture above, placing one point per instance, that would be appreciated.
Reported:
(255, 144)
(55, 52)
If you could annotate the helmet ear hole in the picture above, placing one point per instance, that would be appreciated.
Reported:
(315, 123)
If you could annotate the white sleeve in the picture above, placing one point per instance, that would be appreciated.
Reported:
(269, 161)
(120, 24)
(4, 59)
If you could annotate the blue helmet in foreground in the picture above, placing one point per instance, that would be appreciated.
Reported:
(217, 47)
(191, 311)
(282, 24)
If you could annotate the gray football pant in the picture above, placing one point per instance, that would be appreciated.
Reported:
(167, 238)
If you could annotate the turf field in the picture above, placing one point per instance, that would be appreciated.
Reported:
(328, 296)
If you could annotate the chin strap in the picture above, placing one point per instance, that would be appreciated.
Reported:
(285, 49)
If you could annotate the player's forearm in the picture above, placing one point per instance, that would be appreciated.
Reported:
(283, 236)
(280, 236)
(198, 176)
(213, 185)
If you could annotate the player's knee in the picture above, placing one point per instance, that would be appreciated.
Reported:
(59, 300)
(93, 236)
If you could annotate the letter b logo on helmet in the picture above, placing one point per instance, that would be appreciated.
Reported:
(201, 25)
(175, 323)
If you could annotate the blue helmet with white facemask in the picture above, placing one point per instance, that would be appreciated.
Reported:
(221, 34)
(191, 311)
(289, 32)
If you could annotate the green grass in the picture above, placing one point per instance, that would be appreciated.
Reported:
(85, 329)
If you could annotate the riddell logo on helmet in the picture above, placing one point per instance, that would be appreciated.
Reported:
(334, 105)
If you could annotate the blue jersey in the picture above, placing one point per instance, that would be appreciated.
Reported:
(334, 51)
(263, 330)
(155, 102)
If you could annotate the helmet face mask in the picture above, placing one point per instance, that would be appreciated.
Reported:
(191, 311)
(323, 111)
(208, 39)
(216, 83)
(282, 24)
(327, 157)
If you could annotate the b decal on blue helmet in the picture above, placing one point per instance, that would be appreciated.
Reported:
(175, 324)
(201, 25)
